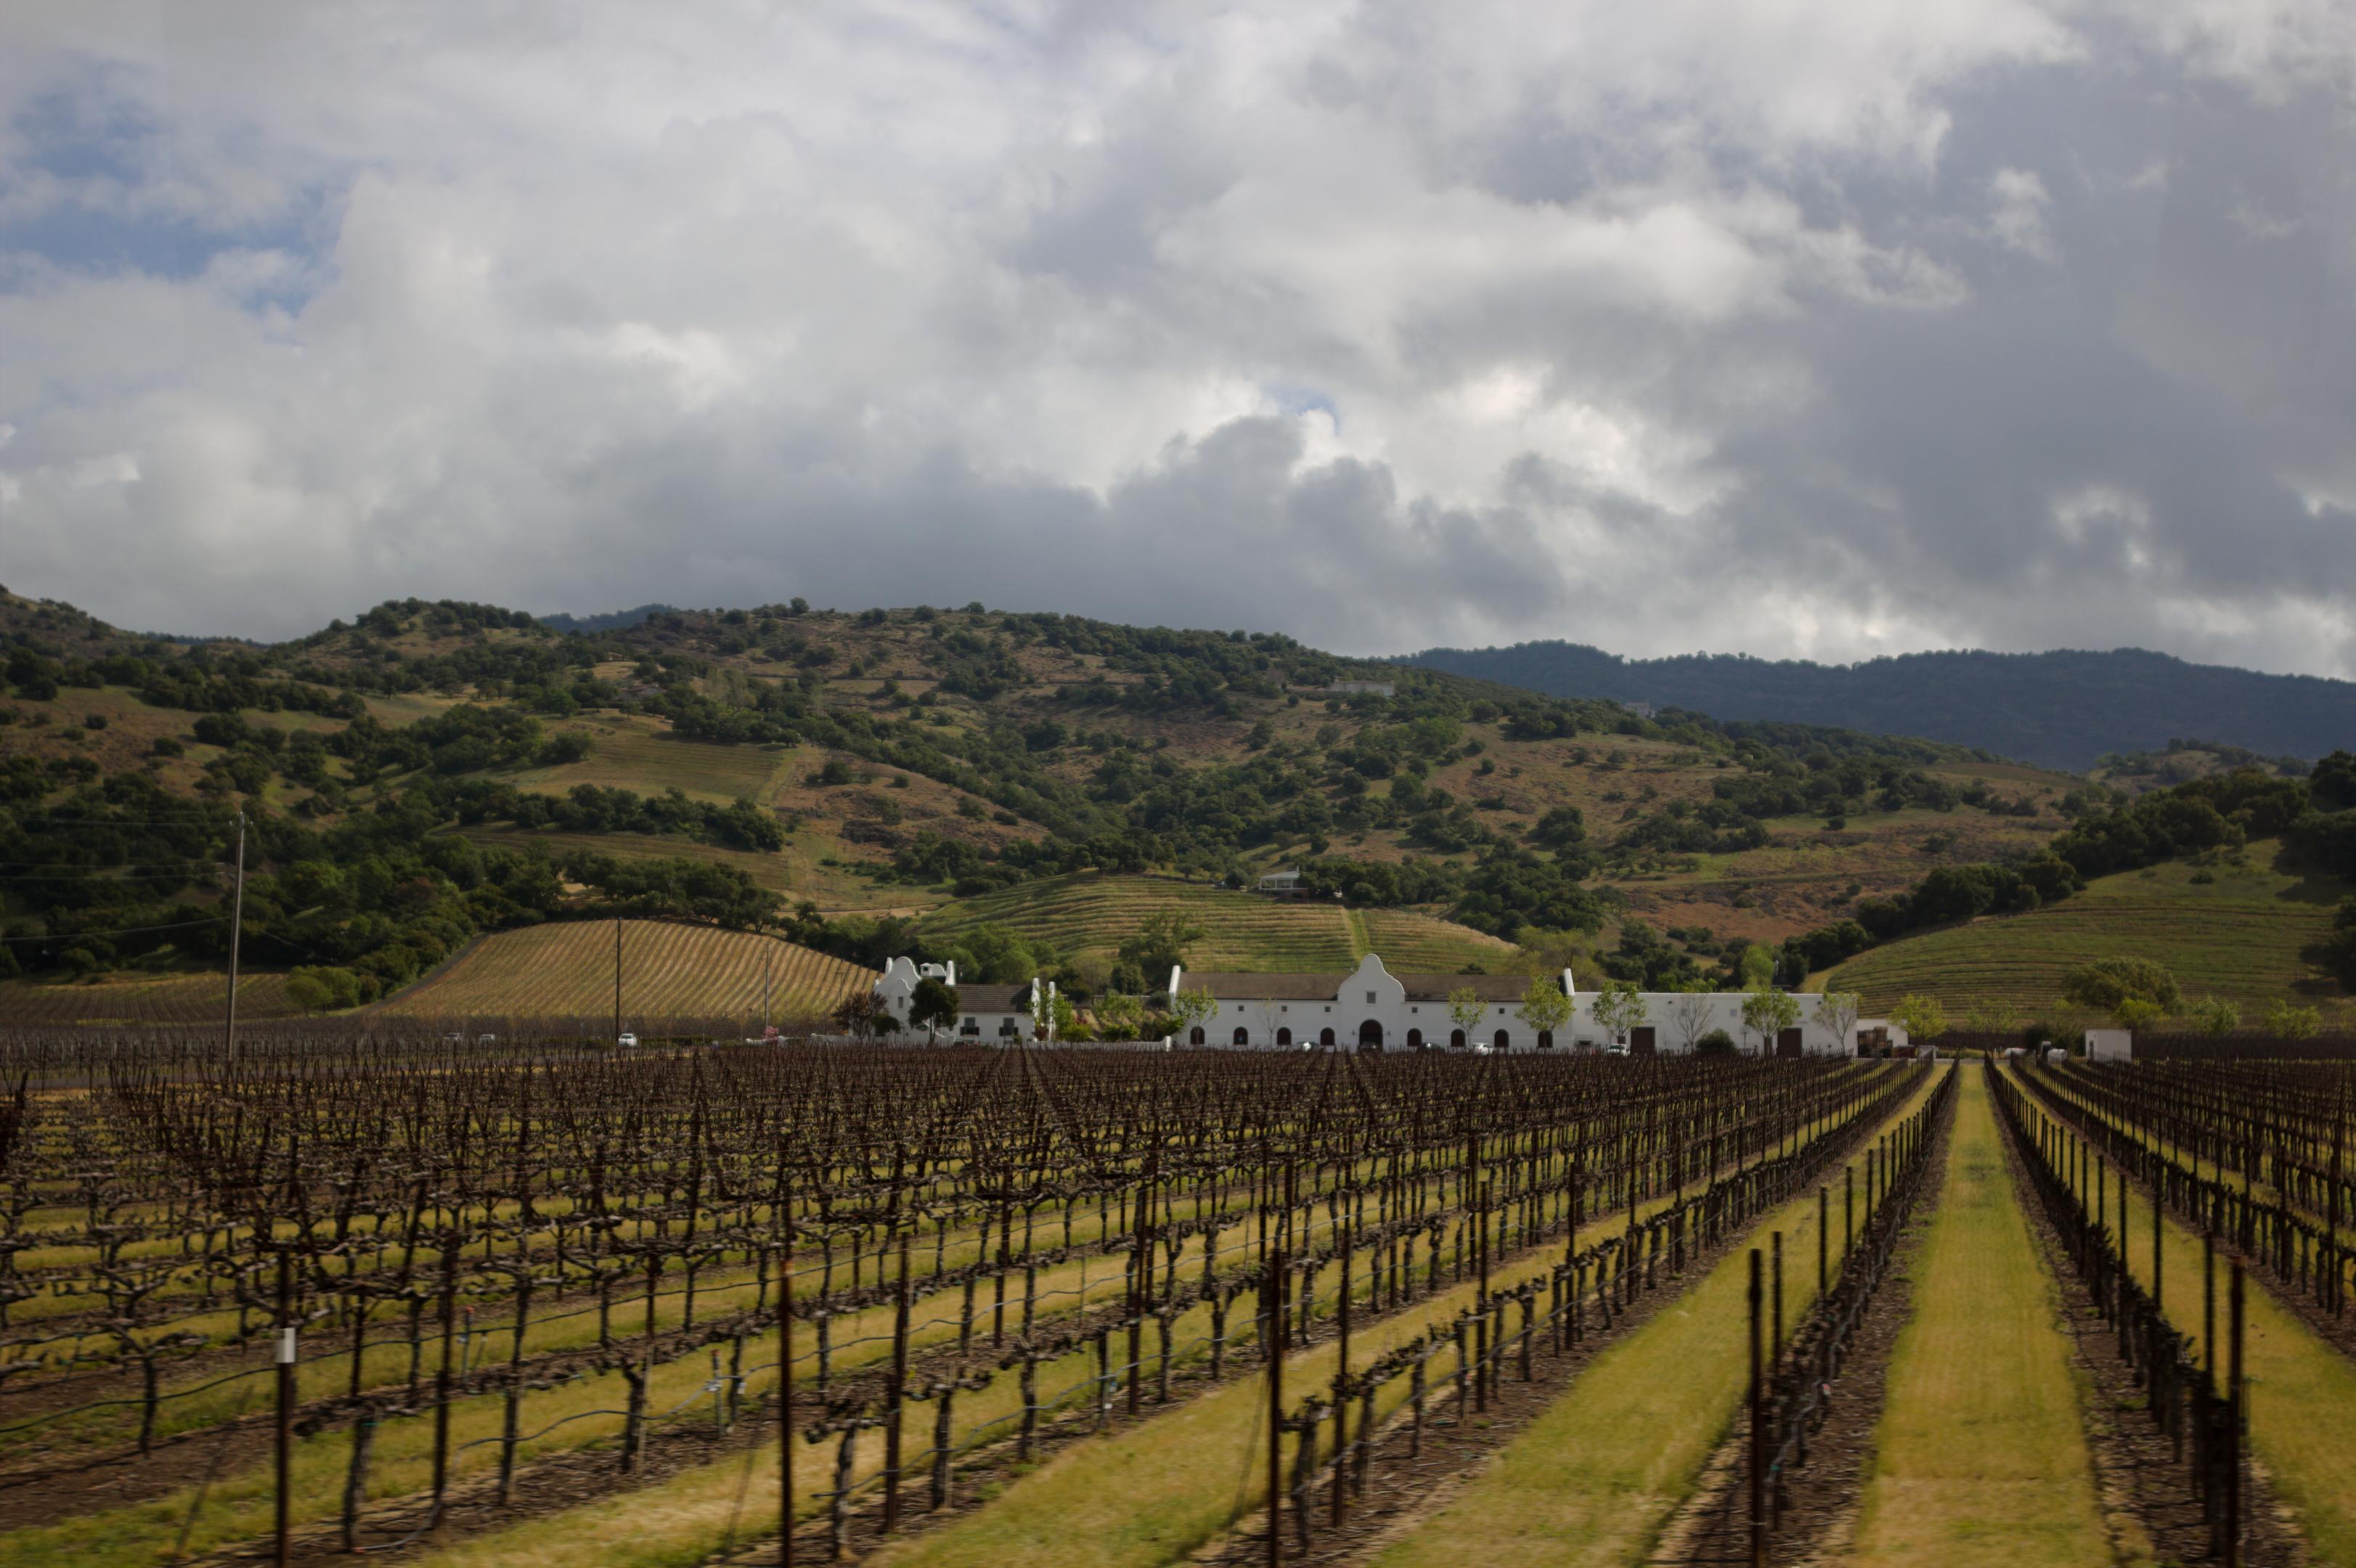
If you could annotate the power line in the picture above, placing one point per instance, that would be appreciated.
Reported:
(208, 869)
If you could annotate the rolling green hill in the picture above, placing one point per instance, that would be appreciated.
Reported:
(435, 771)
(2236, 927)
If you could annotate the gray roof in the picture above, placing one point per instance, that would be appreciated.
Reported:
(994, 998)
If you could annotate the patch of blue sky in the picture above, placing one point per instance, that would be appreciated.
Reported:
(91, 187)
(1298, 401)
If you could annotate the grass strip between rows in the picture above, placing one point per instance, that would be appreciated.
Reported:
(1980, 1456)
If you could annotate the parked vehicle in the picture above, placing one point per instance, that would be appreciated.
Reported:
(626, 1038)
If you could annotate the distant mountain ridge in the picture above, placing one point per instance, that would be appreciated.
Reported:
(611, 620)
(2062, 709)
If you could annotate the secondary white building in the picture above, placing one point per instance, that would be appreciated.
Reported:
(990, 1014)
(1370, 1008)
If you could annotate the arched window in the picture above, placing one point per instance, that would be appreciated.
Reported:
(1370, 1036)
(1195, 1038)
(1325, 1037)
(1504, 1041)
(1284, 1037)
(1243, 1037)
(1415, 1039)
(1546, 1039)
(1456, 1040)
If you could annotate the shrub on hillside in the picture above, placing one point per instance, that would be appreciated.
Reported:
(320, 988)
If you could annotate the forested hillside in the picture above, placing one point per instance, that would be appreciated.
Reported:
(2062, 709)
(434, 770)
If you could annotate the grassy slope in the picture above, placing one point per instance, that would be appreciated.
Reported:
(1979, 1457)
(1092, 913)
(142, 998)
(2238, 936)
(1590, 1482)
(668, 969)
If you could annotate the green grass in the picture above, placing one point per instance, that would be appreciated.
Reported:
(1093, 912)
(1980, 1455)
(635, 755)
(2238, 936)
(1590, 1482)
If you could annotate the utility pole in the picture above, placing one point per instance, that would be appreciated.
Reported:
(785, 1379)
(1758, 1431)
(768, 951)
(1276, 1332)
(618, 979)
(284, 1459)
(236, 924)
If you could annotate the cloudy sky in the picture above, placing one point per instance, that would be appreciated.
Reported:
(1828, 328)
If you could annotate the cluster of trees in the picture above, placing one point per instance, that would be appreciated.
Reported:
(594, 808)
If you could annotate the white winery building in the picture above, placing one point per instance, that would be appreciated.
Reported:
(1371, 1009)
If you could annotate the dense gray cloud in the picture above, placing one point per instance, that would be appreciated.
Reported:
(1826, 330)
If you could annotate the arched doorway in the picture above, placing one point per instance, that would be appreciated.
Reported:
(1456, 1040)
(1243, 1037)
(1196, 1037)
(1284, 1037)
(1415, 1039)
(1370, 1036)
(1504, 1041)
(1546, 1039)
(1325, 1038)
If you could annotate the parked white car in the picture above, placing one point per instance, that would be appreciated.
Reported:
(626, 1040)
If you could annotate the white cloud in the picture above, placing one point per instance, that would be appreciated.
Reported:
(1379, 323)
(2017, 206)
